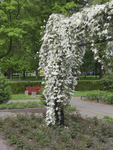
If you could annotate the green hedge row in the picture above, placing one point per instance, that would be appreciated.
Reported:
(88, 85)
(83, 85)
(20, 86)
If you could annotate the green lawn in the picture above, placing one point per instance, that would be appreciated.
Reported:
(25, 97)
(89, 78)
(80, 93)
(21, 97)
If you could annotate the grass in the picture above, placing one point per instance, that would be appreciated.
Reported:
(80, 93)
(25, 97)
(29, 132)
(89, 77)
(21, 97)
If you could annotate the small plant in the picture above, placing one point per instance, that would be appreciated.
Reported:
(5, 90)
(71, 108)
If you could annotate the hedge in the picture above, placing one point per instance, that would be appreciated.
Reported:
(83, 85)
(88, 85)
(20, 86)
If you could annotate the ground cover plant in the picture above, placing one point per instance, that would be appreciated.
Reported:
(21, 105)
(30, 132)
(108, 119)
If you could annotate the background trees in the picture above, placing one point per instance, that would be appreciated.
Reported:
(21, 29)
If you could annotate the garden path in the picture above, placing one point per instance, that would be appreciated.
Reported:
(85, 108)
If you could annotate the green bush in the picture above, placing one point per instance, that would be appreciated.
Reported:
(102, 95)
(20, 86)
(42, 97)
(83, 85)
(107, 82)
(5, 90)
(86, 85)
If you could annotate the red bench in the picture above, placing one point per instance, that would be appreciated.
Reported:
(33, 89)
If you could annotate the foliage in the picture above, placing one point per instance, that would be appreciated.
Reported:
(20, 86)
(88, 85)
(30, 132)
(101, 95)
(5, 90)
(108, 119)
(107, 81)
(42, 97)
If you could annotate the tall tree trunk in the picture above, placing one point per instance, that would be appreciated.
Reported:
(8, 76)
(96, 69)
(24, 74)
(11, 74)
(37, 75)
(100, 71)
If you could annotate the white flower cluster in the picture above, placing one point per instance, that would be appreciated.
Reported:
(60, 51)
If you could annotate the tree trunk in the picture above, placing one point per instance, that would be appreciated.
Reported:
(23, 74)
(59, 121)
(96, 69)
(100, 72)
(8, 76)
(11, 74)
(37, 75)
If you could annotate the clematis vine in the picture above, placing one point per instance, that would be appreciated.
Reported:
(62, 51)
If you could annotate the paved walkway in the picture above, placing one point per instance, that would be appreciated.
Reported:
(91, 109)
(86, 109)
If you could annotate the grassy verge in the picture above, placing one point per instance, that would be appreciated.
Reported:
(21, 97)
(80, 93)
(29, 132)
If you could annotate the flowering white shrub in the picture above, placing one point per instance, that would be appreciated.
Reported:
(62, 51)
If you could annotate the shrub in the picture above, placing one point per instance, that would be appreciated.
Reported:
(5, 90)
(91, 85)
(42, 97)
(107, 82)
(102, 95)
(20, 86)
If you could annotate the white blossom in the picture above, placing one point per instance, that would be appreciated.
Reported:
(60, 51)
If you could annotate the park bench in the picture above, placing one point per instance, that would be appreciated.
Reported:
(33, 89)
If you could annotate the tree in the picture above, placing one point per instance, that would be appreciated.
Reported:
(11, 24)
(5, 90)
(62, 50)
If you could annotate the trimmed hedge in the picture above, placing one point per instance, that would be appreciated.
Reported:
(83, 85)
(20, 86)
(88, 85)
